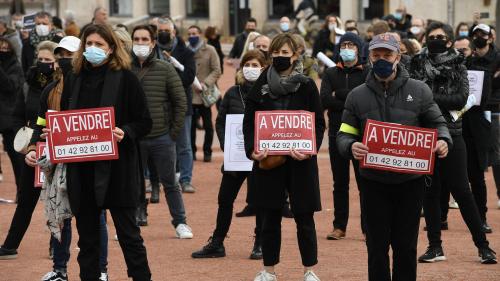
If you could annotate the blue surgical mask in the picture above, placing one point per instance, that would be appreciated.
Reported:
(398, 16)
(383, 68)
(193, 40)
(347, 55)
(463, 33)
(285, 26)
(95, 55)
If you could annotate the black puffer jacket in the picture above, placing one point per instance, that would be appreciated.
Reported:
(446, 75)
(11, 79)
(406, 101)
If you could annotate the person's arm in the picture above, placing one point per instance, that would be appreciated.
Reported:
(187, 76)
(234, 53)
(431, 116)
(11, 81)
(177, 97)
(214, 65)
(140, 121)
(41, 120)
(455, 100)
(349, 131)
(328, 99)
(220, 122)
(19, 113)
(318, 112)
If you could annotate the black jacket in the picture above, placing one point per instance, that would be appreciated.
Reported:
(337, 82)
(300, 178)
(323, 44)
(372, 101)
(116, 183)
(450, 85)
(11, 79)
(216, 44)
(238, 45)
(404, 24)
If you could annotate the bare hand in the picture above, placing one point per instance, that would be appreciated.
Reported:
(497, 74)
(260, 155)
(359, 150)
(166, 54)
(119, 134)
(475, 17)
(45, 133)
(298, 155)
(30, 159)
(441, 148)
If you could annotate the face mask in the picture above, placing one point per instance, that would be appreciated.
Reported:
(437, 46)
(332, 26)
(284, 26)
(250, 30)
(57, 38)
(383, 68)
(18, 24)
(281, 63)
(398, 16)
(42, 29)
(415, 30)
(5, 56)
(251, 46)
(65, 65)
(266, 54)
(141, 51)
(251, 74)
(194, 40)
(480, 42)
(347, 55)
(95, 55)
(164, 37)
(463, 33)
(46, 68)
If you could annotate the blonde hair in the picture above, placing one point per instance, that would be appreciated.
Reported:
(124, 38)
(46, 45)
(119, 59)
(250, 39)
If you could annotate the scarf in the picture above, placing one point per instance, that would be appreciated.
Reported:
(439, 65)
(197, 47)
(282, 86)
(170, 46)
(35, 39)
(55, 196)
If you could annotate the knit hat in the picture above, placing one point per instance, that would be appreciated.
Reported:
(352, 37)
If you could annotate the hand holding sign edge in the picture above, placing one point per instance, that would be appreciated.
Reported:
(441, 148)
(359, 150)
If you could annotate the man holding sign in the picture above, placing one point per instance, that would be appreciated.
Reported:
(392, 201)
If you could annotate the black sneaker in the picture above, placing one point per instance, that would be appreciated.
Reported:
(214, 249)
(55, 276)
(486, 228)
(256, 251)
(433, 254)
(7, 254)
(248, 211)
(487, 256)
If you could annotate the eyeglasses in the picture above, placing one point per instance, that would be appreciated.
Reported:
(438, 37)
(347, 45)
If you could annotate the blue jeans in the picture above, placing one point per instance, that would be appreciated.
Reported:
(62, 249)
(161, 151)
(184, 152)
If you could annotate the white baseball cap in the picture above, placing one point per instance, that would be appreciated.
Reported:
(70, 43)
(483, 27)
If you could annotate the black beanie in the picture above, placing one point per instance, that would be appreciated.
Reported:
(352, 37)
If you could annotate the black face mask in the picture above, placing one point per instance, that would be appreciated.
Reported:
(5, 56)
(480, 42)
(266, 54)
(164, 37)
(57, 38)
(437, 46)
(65, 65)
(46, 68)
(281, 63)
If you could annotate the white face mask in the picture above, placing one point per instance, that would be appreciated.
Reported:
(141, 51)
(251, 46)
(42, 29)
(332, 26)
(415, 30)
(251, 74)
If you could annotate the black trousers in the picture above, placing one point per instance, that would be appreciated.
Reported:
(229, 188)
(496, 176)
(129, 237)
(452, 173)
(392, 213)
(476, 178)
(16, 159)
(26, 203)
(205, 113)
(341, 176)
(271, 237)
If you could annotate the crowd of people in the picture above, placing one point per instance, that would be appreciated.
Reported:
(164, 88)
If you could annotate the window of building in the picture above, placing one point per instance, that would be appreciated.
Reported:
(374, 9)
(326, 7)
(159, 7)
(120, 8)
(280, 8)
(197, 8)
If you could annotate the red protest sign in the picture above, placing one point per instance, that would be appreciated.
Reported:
(82, 135)
(39, 175)
(280, 130)
(399, 148)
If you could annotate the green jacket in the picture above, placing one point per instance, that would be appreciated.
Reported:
(165, 95)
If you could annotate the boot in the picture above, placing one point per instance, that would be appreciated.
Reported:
(257, 250)
(155, 193)
(142, 214)
(214, 249)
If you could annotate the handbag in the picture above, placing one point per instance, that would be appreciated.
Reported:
(22, 139)
(210, 95)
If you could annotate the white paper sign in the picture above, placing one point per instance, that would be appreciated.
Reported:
(476, 79)
(235, 158)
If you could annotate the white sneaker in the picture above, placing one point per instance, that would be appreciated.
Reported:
(453, 205)
(310, 276)
(104, 276)
(183, 231)
(265, 276)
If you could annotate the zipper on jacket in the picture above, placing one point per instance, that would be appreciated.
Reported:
(347, 81)
(386, 111)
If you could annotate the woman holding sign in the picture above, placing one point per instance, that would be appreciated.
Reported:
(252, 64)
(283, 87)
(101, 78)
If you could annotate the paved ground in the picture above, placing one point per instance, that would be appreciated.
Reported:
(170, 258)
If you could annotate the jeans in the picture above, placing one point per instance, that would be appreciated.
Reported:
(206, 116)
(161, 151)
(184, 152)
